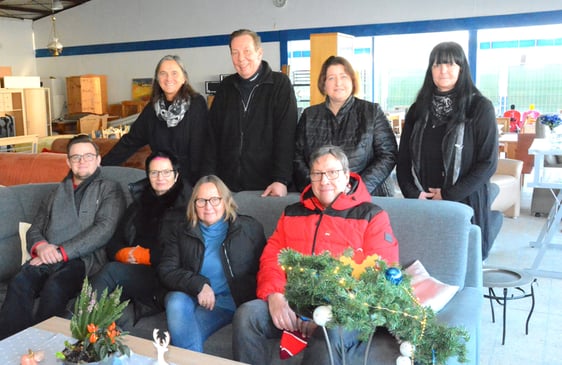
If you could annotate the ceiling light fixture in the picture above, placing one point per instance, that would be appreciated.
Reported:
(56, 5)
(55, 47)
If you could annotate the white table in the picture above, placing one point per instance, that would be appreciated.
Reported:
(50, 335)
(549, 178)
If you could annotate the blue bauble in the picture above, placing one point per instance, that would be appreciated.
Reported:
(394, 275)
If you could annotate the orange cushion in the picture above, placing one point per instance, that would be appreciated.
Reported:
(26, 168)
(105, 145)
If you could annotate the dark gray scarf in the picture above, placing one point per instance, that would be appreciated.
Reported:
(442, 108)
(174, 113)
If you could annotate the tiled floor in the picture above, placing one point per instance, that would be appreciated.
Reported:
(542, 345)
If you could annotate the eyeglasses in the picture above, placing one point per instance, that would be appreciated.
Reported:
(87, 157)
(163, 173)
(201, 203)
(331, 175)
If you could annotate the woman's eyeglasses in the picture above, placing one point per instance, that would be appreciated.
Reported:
(331, 175)
(163, 173)
(201, 203)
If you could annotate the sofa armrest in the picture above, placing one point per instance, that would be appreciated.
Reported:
(474, 265)
(511, 167)
(464, 310)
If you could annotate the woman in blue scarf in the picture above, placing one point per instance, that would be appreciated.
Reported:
(209, 264)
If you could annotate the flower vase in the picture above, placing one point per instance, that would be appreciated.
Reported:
(555, 137)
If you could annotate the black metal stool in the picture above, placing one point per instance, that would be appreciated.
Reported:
(508, 278)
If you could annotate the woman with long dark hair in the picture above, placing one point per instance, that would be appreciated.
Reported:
(449, 145)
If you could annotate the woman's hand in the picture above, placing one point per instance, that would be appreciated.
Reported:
(433, 194)
(424, 195)
(283, 317)
(436, 193)
(206, 297)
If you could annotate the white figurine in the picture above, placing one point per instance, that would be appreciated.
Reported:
(161, 345)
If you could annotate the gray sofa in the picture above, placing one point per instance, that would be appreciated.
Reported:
(437, 233)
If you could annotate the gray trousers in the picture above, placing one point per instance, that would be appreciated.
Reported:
(253, 330)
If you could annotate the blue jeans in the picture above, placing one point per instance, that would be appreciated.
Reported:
(253, 330)
(190, 324)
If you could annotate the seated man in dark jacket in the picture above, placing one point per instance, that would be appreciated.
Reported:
(66, 240)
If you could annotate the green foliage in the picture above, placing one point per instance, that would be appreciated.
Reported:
(365, 301)
(93, 325)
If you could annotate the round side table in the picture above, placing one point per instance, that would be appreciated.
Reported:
(511, 281)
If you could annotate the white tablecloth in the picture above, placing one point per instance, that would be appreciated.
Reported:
(36, 339)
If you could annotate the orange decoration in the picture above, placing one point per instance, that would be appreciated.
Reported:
(359, 268)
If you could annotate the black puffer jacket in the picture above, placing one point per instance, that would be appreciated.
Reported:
(241, 250)
(363, 132)
(145, 219)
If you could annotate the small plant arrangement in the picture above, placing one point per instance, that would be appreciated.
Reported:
(364, 296)
(551, 120)
(93, 325)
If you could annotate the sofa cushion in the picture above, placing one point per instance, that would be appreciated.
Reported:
(137, 160)
(11, 212)
(23, 227)
(28, 168)
(429, 291)
(409, 224)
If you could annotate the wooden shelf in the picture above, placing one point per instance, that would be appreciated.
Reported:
(86, 94)
(30, 108)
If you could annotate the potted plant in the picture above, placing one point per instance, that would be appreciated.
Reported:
(93, 326)
(553, 122)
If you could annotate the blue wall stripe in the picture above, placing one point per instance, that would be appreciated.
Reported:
(486, 22)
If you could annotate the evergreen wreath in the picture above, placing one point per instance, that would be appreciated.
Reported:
(366, 296)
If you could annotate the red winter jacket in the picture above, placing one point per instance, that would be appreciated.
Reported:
(351, 221)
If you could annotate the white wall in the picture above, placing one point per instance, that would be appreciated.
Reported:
(16, 46)
(115, 21)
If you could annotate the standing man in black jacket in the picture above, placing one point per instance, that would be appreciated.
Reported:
(253, 120)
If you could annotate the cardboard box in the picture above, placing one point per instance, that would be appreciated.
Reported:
(5, 71)
(21, 82)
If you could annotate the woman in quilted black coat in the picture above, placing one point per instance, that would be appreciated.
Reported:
(359, 127)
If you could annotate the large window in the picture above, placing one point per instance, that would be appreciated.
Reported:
(390, 68)
(521, 66)
(400, 62)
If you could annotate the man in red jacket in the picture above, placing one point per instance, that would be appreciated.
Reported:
(335, 213)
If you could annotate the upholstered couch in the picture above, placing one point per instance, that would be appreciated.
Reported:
(25, 168)
(437, 233)
(137, 160)
(508, 178)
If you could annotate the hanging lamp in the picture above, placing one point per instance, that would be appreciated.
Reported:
(54, 46)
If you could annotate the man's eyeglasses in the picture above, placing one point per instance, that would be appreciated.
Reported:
(87, 157)
(331, 175)
(201, 203)
(163, 173)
